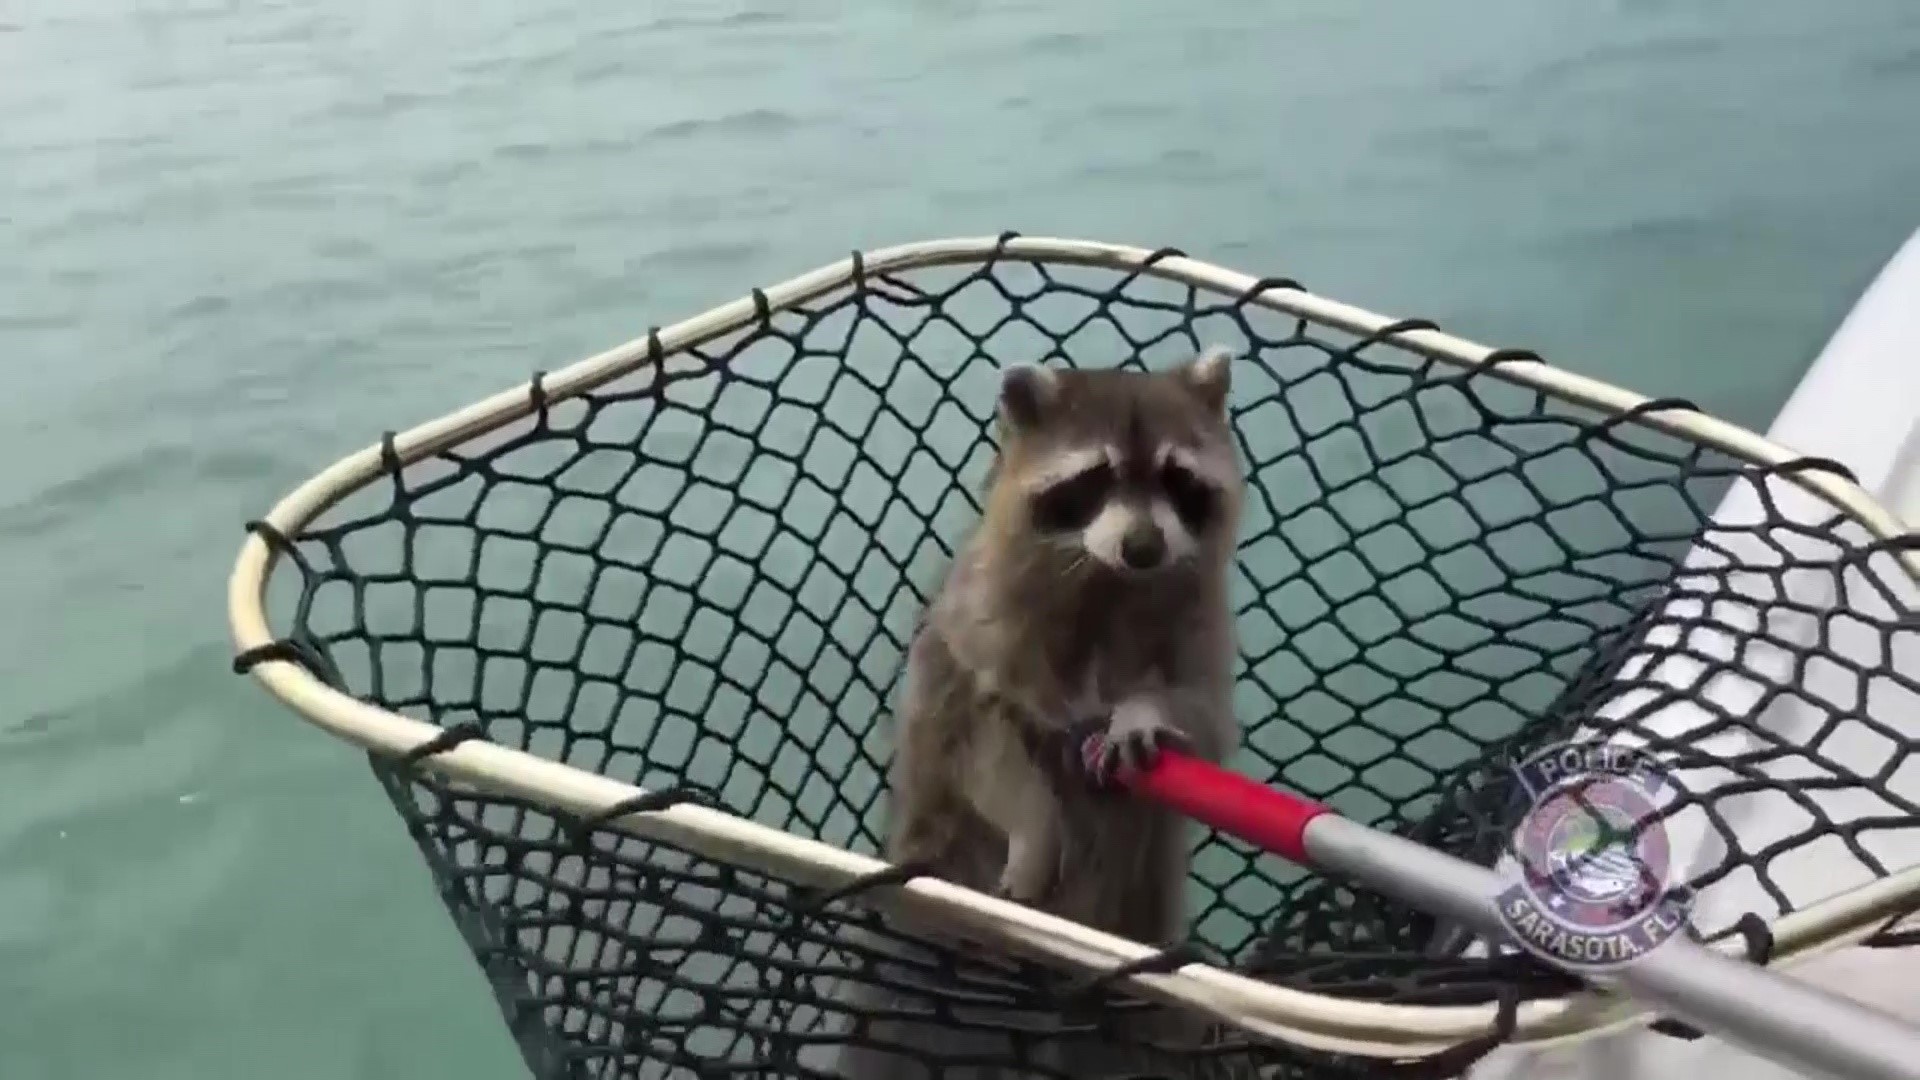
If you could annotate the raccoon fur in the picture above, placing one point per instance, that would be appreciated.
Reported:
(1094, 588)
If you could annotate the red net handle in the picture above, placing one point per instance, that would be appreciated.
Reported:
(1272, 819)
(1819, 1033)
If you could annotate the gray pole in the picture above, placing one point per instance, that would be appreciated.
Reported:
(1765, 1012)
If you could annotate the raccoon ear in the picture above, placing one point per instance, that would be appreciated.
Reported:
(1210, 376)
(1026, 393)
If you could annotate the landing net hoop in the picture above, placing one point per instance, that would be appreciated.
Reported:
(473, 761)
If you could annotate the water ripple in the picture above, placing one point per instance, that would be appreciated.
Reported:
(745, 123)
(238, 240)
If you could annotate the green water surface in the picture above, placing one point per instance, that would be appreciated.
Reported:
(238, 241)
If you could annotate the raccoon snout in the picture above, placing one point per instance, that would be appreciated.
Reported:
(1134, 537)
(1142, 547)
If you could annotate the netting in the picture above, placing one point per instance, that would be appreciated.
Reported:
(700, 576)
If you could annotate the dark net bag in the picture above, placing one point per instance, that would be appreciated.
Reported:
(683, 576)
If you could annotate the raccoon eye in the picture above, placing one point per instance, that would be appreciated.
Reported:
(1192, 498)
(1074, 503)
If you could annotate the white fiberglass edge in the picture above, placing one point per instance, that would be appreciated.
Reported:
(1858, 404)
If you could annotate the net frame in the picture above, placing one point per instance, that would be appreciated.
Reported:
(1290, 1016)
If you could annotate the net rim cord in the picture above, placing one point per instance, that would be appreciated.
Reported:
(1292, 1016)
(524, 400)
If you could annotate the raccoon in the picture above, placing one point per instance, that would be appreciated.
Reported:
(1094, 589)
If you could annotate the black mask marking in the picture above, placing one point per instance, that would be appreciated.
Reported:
(1073, 503)
(1193, 499)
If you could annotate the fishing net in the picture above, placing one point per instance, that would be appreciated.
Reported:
(697, 570)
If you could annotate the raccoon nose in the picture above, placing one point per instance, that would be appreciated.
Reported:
(1143, 547)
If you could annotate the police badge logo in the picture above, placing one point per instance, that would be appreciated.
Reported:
(1592, 871)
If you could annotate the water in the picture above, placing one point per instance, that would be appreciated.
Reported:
(237, 241)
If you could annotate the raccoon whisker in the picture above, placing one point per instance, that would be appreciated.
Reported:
(1067, 553)
(1066, 563)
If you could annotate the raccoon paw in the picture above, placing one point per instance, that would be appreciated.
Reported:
(1134, 735)
(1028, 873)
(1012, 892)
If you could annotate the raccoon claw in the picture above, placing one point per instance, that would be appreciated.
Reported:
(1130, 743)
(1013, 894)
(1128, 753)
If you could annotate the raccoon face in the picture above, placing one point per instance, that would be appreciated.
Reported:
(1132, 513)
(1132, 469)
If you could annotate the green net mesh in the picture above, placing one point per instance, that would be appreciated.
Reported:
(701, 577)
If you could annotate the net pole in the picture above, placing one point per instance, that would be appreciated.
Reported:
(1800, 1026)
